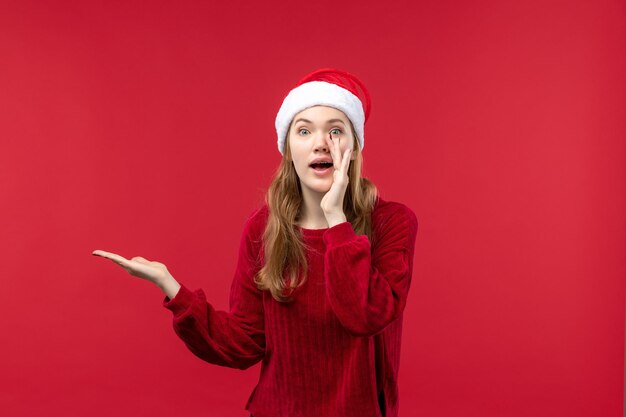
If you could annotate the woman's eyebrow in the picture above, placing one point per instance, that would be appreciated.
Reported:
(328, 122)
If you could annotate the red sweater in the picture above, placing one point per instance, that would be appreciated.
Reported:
(335, 348)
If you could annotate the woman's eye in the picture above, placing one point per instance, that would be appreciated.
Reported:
(300, 131)
(335, 132)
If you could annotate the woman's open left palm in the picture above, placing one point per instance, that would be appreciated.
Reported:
(153, 271)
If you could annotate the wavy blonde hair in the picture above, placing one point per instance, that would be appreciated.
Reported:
(284, 249)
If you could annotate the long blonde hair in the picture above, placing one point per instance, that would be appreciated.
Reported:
(284, 249)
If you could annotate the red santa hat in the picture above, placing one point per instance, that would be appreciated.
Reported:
(326, 87)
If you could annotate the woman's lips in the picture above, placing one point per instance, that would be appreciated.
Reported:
(322, 172)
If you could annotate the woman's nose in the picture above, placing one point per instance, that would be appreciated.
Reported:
(320, 142)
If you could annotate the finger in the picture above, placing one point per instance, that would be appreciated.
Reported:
(345, 163)
(141, 260)
(120, 260)
(102, 253)
(335, 152)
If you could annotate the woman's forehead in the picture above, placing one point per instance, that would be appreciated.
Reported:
(317, 114)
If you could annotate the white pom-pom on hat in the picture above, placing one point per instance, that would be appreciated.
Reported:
(326, 87)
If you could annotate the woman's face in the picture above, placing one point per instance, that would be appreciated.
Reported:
(308, 140)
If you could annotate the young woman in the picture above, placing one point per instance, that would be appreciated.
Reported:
(323, 272)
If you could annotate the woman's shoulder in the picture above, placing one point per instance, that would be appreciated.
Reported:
(260, 213)
(256, 220)
(394, 211)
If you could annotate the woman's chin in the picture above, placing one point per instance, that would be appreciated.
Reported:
(321, 187)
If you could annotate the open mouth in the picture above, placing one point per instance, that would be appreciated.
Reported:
(322, 167)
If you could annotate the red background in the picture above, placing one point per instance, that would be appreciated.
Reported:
(146, 128)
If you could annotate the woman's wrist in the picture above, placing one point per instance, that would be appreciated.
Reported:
(335, 218)
(169, 286)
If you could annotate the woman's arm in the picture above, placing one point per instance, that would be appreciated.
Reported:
(235, 339)
(366, 290)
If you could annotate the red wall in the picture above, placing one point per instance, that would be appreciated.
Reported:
(147, 128)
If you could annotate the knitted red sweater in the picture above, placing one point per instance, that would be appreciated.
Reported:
(334, 350)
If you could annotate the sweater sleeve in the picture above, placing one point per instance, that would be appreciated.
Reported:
(234, 339)
(367, 291)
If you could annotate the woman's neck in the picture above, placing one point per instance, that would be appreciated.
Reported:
(311, 213)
